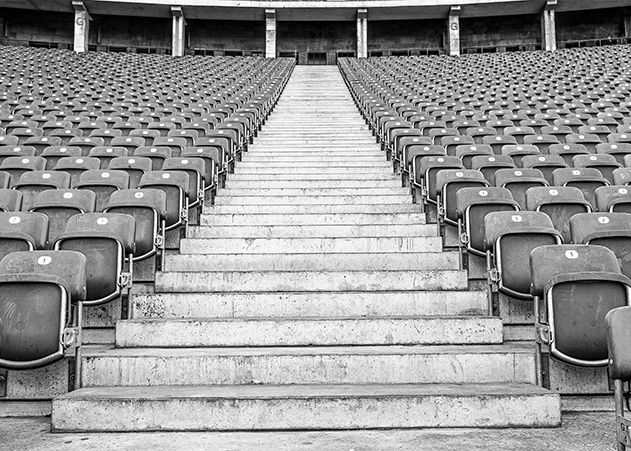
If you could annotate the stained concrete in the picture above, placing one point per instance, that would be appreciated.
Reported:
(579, 432)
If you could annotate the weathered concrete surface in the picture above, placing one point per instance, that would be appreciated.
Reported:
(305, 332)
(340, 219)
(579, 432)
(289, 407)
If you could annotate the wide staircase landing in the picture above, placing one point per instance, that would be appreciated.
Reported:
(313, 296)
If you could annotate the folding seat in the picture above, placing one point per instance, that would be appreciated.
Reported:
(107, 241)
(568, 151)
(147, 135)
(618, 150)
(32, 183)
(488, 165)
(544, 163)
(148, 207)
(136, 167)
(224, 147)
(103, 183)
(131, 143)
(210, 158)
(16, 151)
(542, 142)
(613, 199)
(436, 134)
(157, 155)
(176, 144)
(19, 124)
(196, 169)
(605, 120)
(497, 141)
(586, 179)
(611, 230)
(22, 231)
(560, 203)
(232, 130)
(9, 140)
(47, 288)
(558, 131)
(10, 200)
(467, 152)
(106, 135)
(462, 124)
(87, 127)
(404, 142)
(39, 143)
(16, 166)
(50, 126)
(65, 134)
(590, 141)
(387, 128)
(175, 185)
(59, 205)
(24, 134)
(536, 124)
(518, 151)
(518, 181)
(53, 154)
(403, 133)
(106, 154)
(75, 166)
(519, 133)
(574, 286)
(163, 127)
(605, 163)
(600, 131)
(86, 143)
(478, 133)
(424, 171)
(573, 123)
(448, 182)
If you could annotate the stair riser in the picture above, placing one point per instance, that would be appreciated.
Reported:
(313, 192)
(313, 209)
(311, 200)
(359, 231)
(312, 184)
(321, 178)
(217, 414)
(310, 305)
(309, 369)
(309, 245)
(310, 281)
(349, 219)
(368, 171)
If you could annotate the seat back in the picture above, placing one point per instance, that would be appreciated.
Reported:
(60, 205)
(619, 342)
(22, 231)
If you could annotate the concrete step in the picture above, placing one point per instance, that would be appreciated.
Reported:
(309, 365)
(340, 219)
(300, 407)
(284, 156)
(315, 231)
(309, 245)
(367, 171)
(313, 209)
(325, 179)
(310, 305)
(257, 332)
(388, 199)
(311, 184)
(290, 191)
(316, 165)
(307, 281)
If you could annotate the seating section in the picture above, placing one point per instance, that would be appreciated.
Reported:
(523, 161)
(101, 156)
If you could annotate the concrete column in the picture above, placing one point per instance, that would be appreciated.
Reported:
(270, 33)
(453, 32)
(627, 25)
(177, 32)
(81, 27)
(548, 26)
(362, 33)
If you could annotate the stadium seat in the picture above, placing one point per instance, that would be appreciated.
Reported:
(22, 231)
(16, 166)
(105, 154)
(75, 166)
(53, 154)
(103, 182)
(518, 181)
(59, 205)
(32, 183)
(10, 200)
(175, 185)
(585, 179)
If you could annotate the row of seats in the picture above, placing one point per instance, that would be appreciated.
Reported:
(102, 155)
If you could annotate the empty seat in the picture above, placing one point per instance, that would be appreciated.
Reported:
(60, 205)
(40, 308)
(103, 182)
(424, 175)
(75, 166)
(448, 182)
(136, 167)
(613, 199)
(16, 166)
(518, 181)
(488, 165)
(106, 154)
(618, 150)
(53, 154)
(544, 163)
(22, 231)
(517, 152)
(567, 151)
(32, 183)
(10, 200)
(605, 163)
(585, 179)
(175, 185)
(468, 151)
(157, 155)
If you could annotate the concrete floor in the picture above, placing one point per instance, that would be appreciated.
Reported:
(580, 431)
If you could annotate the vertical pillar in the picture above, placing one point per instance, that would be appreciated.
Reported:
(362, 33)
(177, 33)
(81, 27)
(548, 26)
(453, 32)
(627, 23)
(270, 33)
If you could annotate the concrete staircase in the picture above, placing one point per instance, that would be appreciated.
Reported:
(312, 296)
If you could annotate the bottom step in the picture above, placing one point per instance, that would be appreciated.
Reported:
(301, 407)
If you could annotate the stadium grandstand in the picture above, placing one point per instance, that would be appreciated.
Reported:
(315, 224)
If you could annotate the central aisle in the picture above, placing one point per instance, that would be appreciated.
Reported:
(313, 296)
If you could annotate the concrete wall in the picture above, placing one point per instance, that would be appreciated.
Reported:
(28, 25)
(226, 35)
(597, 24)
(500, 31)
(130, 31)
(318, 37)
(406, 34)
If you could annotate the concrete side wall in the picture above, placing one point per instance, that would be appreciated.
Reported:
(130, 32)
(597, 24)
(226, 35)
(317, 37)
(28, 25)
(406, 34)
(500, 31)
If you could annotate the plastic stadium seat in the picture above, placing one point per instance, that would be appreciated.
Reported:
(209, 156)
(450, 143)
(22, 231)
(448, 182)
(42, 142)
(60, 205)
(509, 239)
(16, 166)
(542, 142)
(605, 163)
(157, 155)
(103, 182)
(544, 163)
(560, 203)
(136, 167)
(517, 152)
(105, 154)
(497, 141)
(585, 179)
(75, 166)
(611, 230)
(16, 151)
(567, 151)
(107, 241)
(131, 143)
(468, 151)
(5, 180)
(518, 181)
(574, 287)
(519, 133)
(9, 140)
(196, 170)
(47, 288)
(105, 136)
(590, 141)
(175, 143)
(424, 172)
(175, 185)
(619, 353)
(86, 143)
(148, 208)
(32, 183)
(618, 150)
(53, 154)
(613, 199)
(10, 200)
(488, 165)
